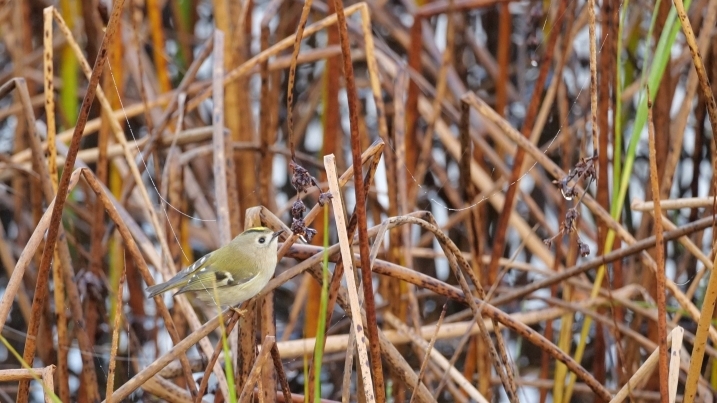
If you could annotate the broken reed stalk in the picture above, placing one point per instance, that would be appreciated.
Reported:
(644, 372)
(674, 375)
(48, 380)
(338, 273)
(346, 253)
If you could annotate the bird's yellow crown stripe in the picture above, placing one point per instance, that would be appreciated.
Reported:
(258, 229)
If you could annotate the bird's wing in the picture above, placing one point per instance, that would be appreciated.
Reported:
(181, 278)
(207, 276)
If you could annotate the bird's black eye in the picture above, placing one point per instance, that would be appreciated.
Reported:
(262, 239)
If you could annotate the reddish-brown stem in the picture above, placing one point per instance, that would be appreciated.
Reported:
(335, 282)
(210, 365)
(660, 255)
(503, 58)
(41, 286)
(369, 303)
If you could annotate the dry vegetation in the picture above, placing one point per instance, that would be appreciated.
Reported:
(501, 146)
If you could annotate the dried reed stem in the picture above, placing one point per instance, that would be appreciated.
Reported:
(346, 254)
(643, 373)
(140, 378)
(660, 254)
(442, 362)
(115, 338)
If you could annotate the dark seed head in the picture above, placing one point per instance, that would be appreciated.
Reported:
(300, 179)
(298, 209)
(324, 198)
(309, 234)
(583, 248)
(298, 226)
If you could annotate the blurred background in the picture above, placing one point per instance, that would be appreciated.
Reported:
(413, 62)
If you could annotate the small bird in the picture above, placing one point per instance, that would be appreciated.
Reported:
(239, 270)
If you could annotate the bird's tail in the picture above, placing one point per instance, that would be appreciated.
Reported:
(164, 287)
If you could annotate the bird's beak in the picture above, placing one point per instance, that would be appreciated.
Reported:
(276, 234)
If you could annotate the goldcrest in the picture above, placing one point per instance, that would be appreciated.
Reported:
(239, 270)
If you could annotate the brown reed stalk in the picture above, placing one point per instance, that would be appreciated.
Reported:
(361, 341)
(367, 281)
(421, 372)
(64, 270)
(233, 319)
(41, 289)
(179, 348)
(487, 309)
(338, 274)
(115, 338)
(660, 254)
